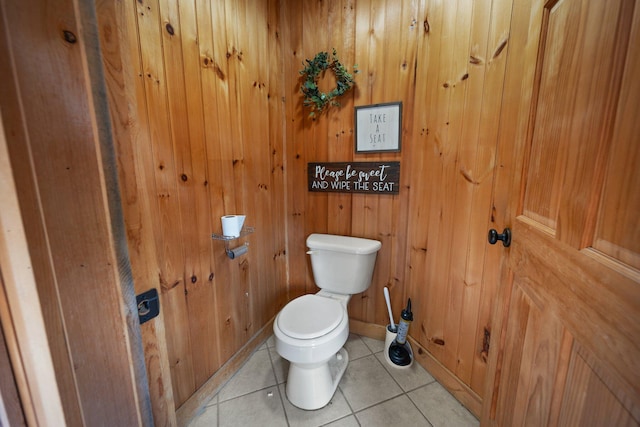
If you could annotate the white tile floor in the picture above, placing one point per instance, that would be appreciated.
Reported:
(371, 393)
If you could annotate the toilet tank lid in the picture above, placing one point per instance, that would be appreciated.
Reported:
(346, 244)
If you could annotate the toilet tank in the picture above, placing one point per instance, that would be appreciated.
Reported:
(342, 264)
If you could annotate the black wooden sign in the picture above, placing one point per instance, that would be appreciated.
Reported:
(354, 177)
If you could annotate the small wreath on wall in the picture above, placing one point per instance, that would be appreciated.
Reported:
(315, 99)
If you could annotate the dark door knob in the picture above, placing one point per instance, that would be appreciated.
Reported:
(505, 237)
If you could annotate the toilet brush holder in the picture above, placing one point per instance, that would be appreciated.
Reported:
(389, 340)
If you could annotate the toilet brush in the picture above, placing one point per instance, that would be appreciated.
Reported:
(388, 300)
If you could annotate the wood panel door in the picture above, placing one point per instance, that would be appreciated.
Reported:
(569, 351)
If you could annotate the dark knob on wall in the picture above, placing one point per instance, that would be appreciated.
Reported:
(494, 236)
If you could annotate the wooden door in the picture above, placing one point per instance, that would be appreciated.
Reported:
(569, 351)
(70, 301)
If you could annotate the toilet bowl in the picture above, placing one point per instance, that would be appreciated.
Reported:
(311, 330)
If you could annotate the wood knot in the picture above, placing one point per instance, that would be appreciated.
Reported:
(170, 29)
(468, 177)
(475, 60)
(166, 286)
(69, 37)
(500, 48)
(438, 341)
(219, 72)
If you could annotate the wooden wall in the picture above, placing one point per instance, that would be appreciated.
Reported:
(207, 141)
(217, 126)
(445, 62)
(58, 149)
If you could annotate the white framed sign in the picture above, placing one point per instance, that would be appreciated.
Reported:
(378, 127)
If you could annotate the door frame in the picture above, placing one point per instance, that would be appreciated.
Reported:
(20, 312)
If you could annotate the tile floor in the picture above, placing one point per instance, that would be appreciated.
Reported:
(371, 393)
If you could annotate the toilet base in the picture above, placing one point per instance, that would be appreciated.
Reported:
(312, 386)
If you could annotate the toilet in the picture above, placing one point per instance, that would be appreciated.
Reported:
(310, 331)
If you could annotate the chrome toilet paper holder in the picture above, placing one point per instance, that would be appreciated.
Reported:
(233, 253)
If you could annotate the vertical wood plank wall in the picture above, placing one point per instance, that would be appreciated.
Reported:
(208, 141)
(445, 62)
(220, 129)
(55, 137)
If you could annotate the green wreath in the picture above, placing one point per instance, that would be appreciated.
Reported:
(315, 99)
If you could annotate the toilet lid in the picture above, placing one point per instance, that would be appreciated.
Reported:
(310, 316)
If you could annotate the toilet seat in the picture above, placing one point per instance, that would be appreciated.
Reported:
(310, 316)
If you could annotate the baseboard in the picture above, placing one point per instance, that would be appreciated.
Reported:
(192, 406)
(369, 330)
(470, 399)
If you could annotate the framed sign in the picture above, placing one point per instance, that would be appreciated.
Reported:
(378, 127)
(354, 177)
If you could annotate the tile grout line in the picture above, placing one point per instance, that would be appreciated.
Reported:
(406, 392)
(275, 375)
(403, 393)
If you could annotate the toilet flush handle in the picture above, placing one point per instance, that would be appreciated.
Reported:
(309, 252)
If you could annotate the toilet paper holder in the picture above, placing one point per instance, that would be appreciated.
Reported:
(236, 252)
(232, 253)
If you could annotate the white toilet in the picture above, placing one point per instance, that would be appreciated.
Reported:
(311, 330)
